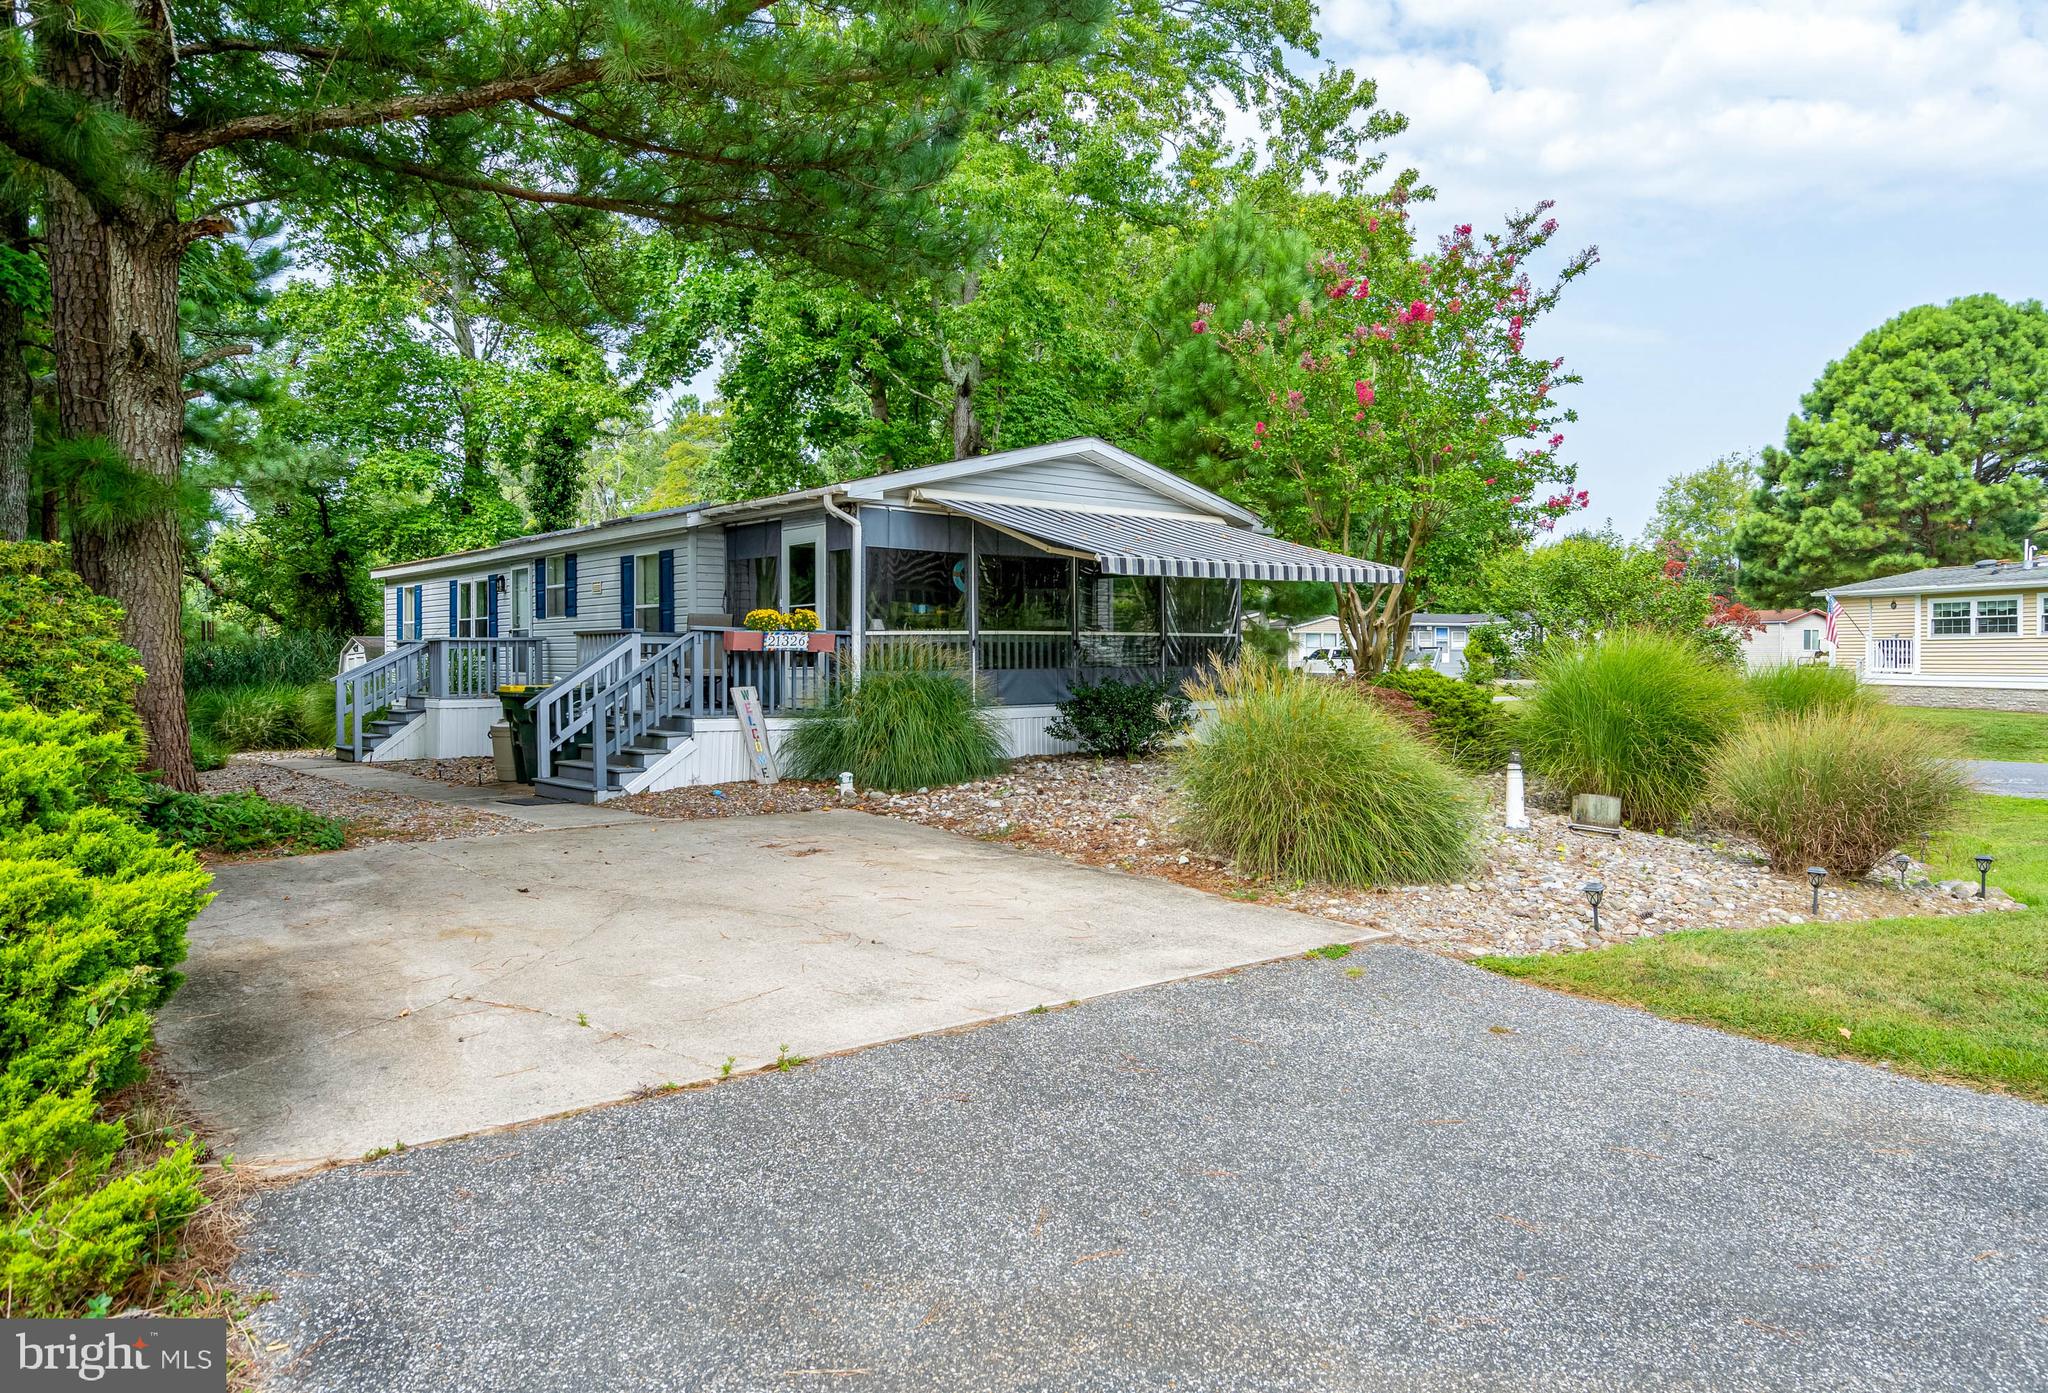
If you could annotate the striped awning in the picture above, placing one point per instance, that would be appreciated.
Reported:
(1142, 544)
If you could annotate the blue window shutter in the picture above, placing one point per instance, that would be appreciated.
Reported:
(540, 589)
(491, 589)
(625, 592)
(398, 604)
(451, 608)
(668, 590)
(419, 613)
(569, 579)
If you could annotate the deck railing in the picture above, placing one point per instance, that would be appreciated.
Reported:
(376, 686)
(1893, 656)
(435, 667)
(468, 668)
(563, 711)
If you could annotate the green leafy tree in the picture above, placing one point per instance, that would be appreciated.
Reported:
(1582, 586)
(1925, 445)
(1402, 420)
(812, 135)
(1698, 514)
(1072, 197)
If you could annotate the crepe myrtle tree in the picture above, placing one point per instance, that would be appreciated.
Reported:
(802, 128)
(1403, 420)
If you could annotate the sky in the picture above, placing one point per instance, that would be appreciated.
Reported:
(1765, 182)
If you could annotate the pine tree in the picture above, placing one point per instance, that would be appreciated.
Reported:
(805, 132)
(1926, 445)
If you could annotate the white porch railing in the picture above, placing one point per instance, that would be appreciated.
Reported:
(1892, 657)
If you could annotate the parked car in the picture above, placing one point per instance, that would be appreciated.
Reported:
(1327, 662)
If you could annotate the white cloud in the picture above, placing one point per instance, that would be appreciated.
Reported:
(1705, 104)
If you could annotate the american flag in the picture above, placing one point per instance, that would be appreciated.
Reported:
(1834, 609)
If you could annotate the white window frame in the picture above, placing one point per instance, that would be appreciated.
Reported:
(1975, 613)
(647, 592)
(1811, 639)
(473, 608)
(556, 569)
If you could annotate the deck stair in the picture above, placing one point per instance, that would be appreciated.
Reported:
(382, 727)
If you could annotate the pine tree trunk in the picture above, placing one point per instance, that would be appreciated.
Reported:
(114, 334)
(17, 423)
(114, 290)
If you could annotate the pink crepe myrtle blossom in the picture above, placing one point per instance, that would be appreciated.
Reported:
(1489, 483)
(1549, 226)
(1556, 440)
(1363, 391)
(1200, 326)
(1294, 400)
(1463, 229)
(1259, 429)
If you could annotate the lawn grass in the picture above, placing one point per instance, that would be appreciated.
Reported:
(2019, 735)
(2015, 830)
(1961, 999)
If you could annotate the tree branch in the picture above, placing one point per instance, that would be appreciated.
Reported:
(293, 125)
(200, 362)
(196, 569)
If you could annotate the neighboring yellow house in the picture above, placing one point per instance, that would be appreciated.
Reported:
(1951, 635)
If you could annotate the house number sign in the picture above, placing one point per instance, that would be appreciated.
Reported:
(786, 641)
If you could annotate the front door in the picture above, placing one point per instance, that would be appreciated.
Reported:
(803, 570)
(522, 600)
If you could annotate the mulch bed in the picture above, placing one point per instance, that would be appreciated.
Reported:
(371, 816)
(1525, 897)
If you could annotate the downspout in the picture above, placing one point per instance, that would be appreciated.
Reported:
(857, 573)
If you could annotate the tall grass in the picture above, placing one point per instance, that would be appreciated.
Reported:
(1798, 689)
(1310, 780)
(913, 718)
(267, 716)
(293, 659)
(1833, 788)
(1635, 714)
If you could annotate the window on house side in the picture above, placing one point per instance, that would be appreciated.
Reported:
(558, 587)
(647, 593)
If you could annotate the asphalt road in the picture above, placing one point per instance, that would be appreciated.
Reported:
(2018, 778)
(1421, 1177)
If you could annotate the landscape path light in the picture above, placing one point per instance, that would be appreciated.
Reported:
(1983, 871)
(1815, 875)
(1902, 861)
(1593, 890)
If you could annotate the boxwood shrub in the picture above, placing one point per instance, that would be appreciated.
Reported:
(1465, 722)
(1123, 718)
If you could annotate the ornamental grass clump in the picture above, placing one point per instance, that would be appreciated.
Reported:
(914, 717)
(1308, 780)
(1798, 689)
(1637, 715)
(1839, 789)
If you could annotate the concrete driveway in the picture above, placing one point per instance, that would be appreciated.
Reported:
(1420, 1177)
(408, 992)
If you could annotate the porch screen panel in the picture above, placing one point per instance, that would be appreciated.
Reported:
(1120, 621)
(916, 591)
(1026, 618)
(1202, 619)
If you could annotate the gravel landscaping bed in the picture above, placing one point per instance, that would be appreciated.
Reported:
(1526, 897)
(371, 816)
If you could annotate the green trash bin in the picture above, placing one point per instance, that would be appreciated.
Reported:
(521, 718)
